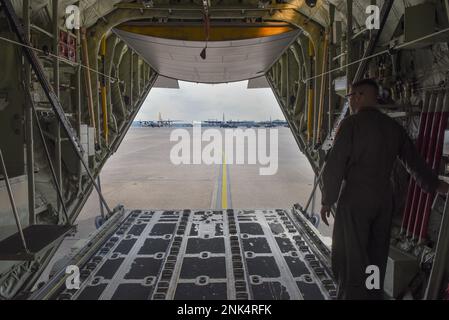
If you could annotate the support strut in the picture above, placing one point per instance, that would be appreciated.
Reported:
(49, 91)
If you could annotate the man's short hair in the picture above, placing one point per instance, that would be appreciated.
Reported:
(367, 83)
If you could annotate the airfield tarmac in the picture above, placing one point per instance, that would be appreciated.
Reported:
(141, 175)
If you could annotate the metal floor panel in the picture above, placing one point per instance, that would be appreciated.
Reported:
(205, 255)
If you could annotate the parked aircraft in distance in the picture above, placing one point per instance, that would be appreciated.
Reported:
(231, 124)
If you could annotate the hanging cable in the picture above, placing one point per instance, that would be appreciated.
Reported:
(203, 53)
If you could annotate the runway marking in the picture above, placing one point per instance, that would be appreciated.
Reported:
(221, 196)
(224, 185)
(215, 204)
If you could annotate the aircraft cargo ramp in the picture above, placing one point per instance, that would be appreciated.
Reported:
(200, 255)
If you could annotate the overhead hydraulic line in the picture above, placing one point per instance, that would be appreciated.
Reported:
(104, 92)
(88, 84)
(390, 50)
(386, 8)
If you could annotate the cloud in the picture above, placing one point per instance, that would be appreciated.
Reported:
(196, 102)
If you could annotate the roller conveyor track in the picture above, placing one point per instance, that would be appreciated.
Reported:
(204, 255)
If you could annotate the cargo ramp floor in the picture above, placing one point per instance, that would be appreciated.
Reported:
(200, 255)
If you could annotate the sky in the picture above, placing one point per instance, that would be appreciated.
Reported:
(199, 102)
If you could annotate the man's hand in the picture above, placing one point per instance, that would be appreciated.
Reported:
(325, 213)
(443, 187)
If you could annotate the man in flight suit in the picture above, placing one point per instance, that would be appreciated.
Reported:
(357, 175)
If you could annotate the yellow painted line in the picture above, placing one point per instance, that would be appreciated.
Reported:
(224, 186)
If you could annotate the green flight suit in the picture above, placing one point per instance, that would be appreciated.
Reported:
(358, 175)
